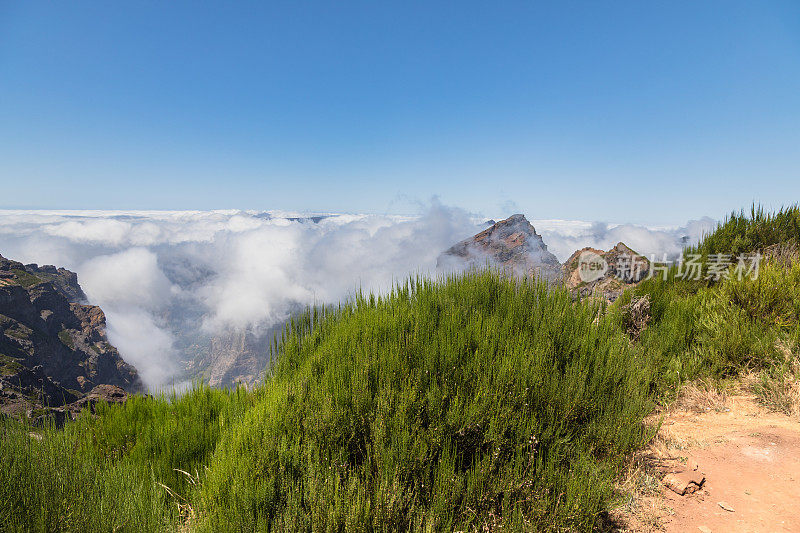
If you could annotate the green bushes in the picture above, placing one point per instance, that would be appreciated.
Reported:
(442, 406)
(471, 401)
(728, 340)
(116, 471)
(773, 298)
(727, 329)
(741, 233)
(57, 483)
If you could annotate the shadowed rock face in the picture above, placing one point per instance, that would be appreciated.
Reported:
(53, 347)
(511, 244)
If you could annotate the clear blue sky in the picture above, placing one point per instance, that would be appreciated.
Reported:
(638, 111)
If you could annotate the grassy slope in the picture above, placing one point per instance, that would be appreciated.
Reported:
(440, 406)
(724, 329)
(446, 405)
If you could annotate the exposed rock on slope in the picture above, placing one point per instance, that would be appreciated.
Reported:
(53, 348)
(590, 271)
(511, 244)
(238, 356)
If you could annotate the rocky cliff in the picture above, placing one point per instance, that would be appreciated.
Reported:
(593, 272)
(53, 347)
(511, 244)
(232, 357)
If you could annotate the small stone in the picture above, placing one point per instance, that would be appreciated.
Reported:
(727, 507)
(704, 529)
(684, 482)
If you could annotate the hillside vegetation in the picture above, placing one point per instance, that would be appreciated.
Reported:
(468, 402)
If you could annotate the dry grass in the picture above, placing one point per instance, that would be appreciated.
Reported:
(703, 396)
(778, 388)
(793, 392)
(791, 380)
(640, 504)
(785, 254)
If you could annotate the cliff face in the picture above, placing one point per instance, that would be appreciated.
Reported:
(238, 356)
(53, 347)
(511, 244)
(234, 356)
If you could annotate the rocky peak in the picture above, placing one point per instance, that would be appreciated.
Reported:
(590, 271)
(64, 281)
(511, 244)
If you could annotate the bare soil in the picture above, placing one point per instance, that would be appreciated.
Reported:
(750, 459)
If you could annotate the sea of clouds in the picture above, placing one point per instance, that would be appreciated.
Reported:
(164, 275)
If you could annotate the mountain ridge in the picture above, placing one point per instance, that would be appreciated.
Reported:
(53, 346)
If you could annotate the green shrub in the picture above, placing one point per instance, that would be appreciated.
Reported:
(728, 340)
(122, 470)
(740, 233)
(443, 406)
(66, 339)
(773, 298)
(54, 483)
(725, 329)
(26, 279)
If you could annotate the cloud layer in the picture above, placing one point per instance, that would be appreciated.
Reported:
(165, 276)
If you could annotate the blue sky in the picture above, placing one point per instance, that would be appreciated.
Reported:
(649, 112)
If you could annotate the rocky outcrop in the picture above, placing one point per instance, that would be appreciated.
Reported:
(26, 390)
(236, 356)
(636, 316)
(110, 394)
(511, 244)
(590, 271)
(53, 347)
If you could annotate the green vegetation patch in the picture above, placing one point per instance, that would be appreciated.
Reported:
(465, 403)
(16, 330)
(9, 366)
(445, 406)
(740, 233)
(116, 471)
(66, 339)
(26, 279)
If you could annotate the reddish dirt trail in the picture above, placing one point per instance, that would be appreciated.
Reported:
(750, 459)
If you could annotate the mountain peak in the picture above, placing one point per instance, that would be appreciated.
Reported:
(511, 244)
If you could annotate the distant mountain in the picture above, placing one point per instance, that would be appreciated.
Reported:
(510, 244)
(53, 347)
(238, 355)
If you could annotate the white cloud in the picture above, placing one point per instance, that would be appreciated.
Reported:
(144, 344)
(565, 236)
(101, 231)
(131, 278)
(167, 273)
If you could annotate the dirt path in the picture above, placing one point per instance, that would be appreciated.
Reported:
(750, 459)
